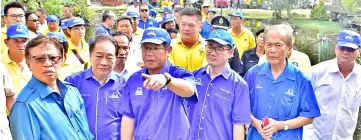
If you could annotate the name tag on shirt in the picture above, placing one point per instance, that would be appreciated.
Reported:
(139, 91)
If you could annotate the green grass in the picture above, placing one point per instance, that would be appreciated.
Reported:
(319, 26)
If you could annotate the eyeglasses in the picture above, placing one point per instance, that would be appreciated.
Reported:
(143, 10)
(43, 58)
(348, 49)
(151, 49)
(15, 17)
(34, 20)
(218, 48)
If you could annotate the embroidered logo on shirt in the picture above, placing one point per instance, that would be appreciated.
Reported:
(198, 81)
(201, 51)
(295, 63)
(226, 91)
(290, 92)
(139, 91)
(245, 39)
(258, 85)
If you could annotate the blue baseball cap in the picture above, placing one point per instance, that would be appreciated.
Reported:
(136, 0)
(153, 12)
(222, 37)
(237, 14)
(348, 38)
(64, 23)
(150, 6)
(52, 18)
(58, 35)
(17, 31)
(156, 36)
(169, 17)
(75, 21)
(2, 13)
(166, 9)
(133, 14)
(212, 10)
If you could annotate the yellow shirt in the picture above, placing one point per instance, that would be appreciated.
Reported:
(3, 47)
(204, 16)
(297, 58)
(189, 58)
(19, 78)
(72, 63)
(244, 41)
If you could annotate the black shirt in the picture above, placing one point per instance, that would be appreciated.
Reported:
(249, 59)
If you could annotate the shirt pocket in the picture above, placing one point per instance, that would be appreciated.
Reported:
(285, 108)
(355, 100)
(222, 101)
(113, 99)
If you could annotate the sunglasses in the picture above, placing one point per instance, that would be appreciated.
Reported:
(348, 49)
(42, 59)
(144, 10)
(34, 20)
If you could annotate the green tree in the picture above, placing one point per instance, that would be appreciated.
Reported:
(351, 5)
(319, 12)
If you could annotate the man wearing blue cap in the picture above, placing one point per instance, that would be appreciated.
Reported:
(53, 24)
(224, 107)
(78, 51)
(14, 13)
(153, 13)
(337, 84)
(153, 99)
(134, 6)
(243, 38)
(145, 21)
(168, 22)
(64, 27)
(14, 58)
(138, 32)
(206, 25)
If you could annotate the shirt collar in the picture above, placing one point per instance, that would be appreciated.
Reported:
(200, 39)
(89, 74)
(6, 58)
(334, 67)
(105, 27)
(226, 73)
(45, 90)
(288, 72)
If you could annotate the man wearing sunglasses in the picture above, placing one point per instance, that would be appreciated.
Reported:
(33, 24)
(14, 58)
(224, 106)
(145, 20)
(337, 85)
(14, 14)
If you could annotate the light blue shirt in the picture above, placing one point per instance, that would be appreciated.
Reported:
(101, 102)
(339, 99)
(287, 97)
(158, 115)
(223, 101)
(41, 113)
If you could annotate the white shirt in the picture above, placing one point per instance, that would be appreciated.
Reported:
(339, 99)
(135, 52)
(133, 8)
(128, 71)
(6, 89)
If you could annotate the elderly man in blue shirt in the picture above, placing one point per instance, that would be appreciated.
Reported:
(100, 88)
(224, 107)
(279, 91)
(145, 21)
(337, 85)
(108, 19)
(153, 99)
(48, 108)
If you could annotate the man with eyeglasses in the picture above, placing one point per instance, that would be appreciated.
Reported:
(224, 106)
(337, 85)
(14, 58)
(100, 88)
(153, 99)
(32, 22)
(48, 108)
(121, 67)
(14, 14)
(108, 20)
(145, 20)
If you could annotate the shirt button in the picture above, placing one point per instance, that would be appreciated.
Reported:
(273, 94)
(207, 94)
(205, 106)
(202, 117)
(79, 131)
(211, 84)
(269, 107)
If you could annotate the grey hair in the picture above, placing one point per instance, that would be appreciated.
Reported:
(282, 29)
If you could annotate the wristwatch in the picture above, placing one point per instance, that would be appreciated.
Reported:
(168, 77)
(285, 126)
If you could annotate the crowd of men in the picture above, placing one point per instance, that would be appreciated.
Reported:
(187, 74)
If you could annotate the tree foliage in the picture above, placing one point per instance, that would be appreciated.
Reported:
(319, 12)
(351, 5)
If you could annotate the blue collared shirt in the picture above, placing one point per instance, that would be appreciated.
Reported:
(151, 22)
(206, 29)
(41, 113)
(289, 96)
(223, 101)
(101, 102)
(157, 114)
(102, 30)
